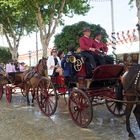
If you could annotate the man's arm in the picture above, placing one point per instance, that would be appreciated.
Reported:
(84, 47)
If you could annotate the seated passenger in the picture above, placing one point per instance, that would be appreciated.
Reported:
(60, 54)
(54, 64)
(17, 66)
(68, 66)
(22, 67)
(10, 67)
(102, 49)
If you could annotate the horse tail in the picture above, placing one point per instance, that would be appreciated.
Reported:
(119, 95)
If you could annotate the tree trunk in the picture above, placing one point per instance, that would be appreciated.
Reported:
(14, 52)
(45, 40)
(138, 15)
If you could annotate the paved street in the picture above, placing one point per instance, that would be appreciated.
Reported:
(19, 122)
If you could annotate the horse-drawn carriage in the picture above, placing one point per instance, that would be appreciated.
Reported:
(23, 82)
(85, 93)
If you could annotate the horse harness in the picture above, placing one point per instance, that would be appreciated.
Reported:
(136, 84)
(31, 74)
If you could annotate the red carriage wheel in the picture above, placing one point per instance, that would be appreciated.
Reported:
(46, 97)
(8, 91)
(1, 91)
(80, 108)
(112, 107)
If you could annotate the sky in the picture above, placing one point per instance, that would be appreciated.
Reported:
(125, 18)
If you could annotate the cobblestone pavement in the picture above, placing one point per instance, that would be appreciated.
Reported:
(19, 122)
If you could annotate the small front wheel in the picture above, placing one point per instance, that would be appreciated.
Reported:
(112, 107)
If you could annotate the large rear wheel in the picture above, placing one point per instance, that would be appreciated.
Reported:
(80, 108)
(46, 96)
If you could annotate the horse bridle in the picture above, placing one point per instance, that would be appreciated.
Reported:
(43, 63)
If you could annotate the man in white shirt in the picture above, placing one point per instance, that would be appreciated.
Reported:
(10, 67)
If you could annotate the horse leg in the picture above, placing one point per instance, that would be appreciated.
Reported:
(27, 97)
(137, 114)
(27, 94)
(129, 108)
(33, 97)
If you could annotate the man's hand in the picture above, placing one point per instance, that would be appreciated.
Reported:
(92, 49)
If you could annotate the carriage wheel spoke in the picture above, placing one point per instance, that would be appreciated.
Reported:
(51, 101)
(111, 104)
(45, 106)
(73, 100)
(49, 104)
(80, 117)
(115, 108)
(77, 115)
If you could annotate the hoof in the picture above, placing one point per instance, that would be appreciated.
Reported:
(28, 104)
(131, 137)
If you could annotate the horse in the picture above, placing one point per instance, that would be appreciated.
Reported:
(131, 86)
(28, 80)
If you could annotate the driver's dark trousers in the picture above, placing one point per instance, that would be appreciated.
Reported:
(90, 58)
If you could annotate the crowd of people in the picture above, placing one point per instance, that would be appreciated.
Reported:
(94, 52)
(15, 66)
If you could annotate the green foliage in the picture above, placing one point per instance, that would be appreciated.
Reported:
(71, 34)
(52, 7)
(5, 55)
(15, 19)
(130, 1)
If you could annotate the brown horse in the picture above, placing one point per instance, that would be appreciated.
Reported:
(29, 79)
(131, 85)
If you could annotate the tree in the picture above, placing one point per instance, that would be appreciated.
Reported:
(15, 20)
(49, 14)
(5, 55)
(71, 34)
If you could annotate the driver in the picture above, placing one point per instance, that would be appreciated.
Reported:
(87, 49)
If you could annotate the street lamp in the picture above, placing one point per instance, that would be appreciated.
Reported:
(30, 57)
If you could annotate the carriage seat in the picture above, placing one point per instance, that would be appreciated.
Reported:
(108, 72)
